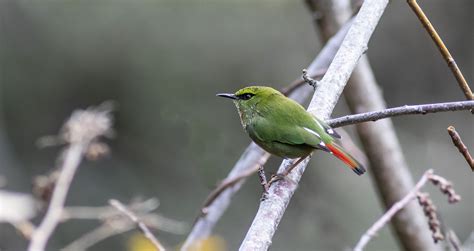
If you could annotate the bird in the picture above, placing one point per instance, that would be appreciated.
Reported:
(284, 128)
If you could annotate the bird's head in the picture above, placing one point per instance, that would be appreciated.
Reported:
(247, 100)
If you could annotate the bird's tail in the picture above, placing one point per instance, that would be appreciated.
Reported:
(341, 154)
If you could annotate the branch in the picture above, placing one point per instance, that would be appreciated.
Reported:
(461, 146)
(229, 183)
(444, 186)
(82, 129)
(271, 210)
(254, 155)
(95, 236)
(113, 222)
(442, 48)
(391, 212)
(142, 226)
(388, 167)
(402, 110)
(301, 81)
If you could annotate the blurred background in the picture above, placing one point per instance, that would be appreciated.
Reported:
(164, 61)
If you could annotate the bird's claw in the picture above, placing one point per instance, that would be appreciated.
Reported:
(276, 177)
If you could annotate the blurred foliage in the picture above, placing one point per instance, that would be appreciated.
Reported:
(163, 62)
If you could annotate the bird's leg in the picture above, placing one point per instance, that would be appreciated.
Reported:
(280, 176)
(263, 181)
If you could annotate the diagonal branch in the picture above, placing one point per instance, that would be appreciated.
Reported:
(141, 225)
(271, 210)
(254, 155)
(442, 48)
(391, 212)
(445, 187)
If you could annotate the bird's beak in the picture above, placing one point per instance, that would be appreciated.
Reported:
(227, 95)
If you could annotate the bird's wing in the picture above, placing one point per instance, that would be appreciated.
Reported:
(291, 134)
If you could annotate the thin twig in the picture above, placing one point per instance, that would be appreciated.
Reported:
(442, 48)
(372, 231)
(113, 222)
(445, 187)
(454, 244)
(95, 236)
(309, 80)
(461, 146)
(300, 81)
(226, 184)
(105, 212)
(402, 110)
(142, 226)
(82, 129)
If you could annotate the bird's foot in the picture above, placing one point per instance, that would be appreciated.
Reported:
(264, 195)
(276, 177)
(263, 182)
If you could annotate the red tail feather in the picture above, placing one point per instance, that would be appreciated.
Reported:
(346, 158)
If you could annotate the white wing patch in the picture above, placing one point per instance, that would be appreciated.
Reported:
(327, 129)
(312, 132)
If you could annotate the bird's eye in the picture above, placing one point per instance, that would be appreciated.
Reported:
(246, 96)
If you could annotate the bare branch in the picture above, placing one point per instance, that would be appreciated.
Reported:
(372, 231)
(461, 146)
(429, 209)
(229, 183)
(402, 110)
(113, 222)
(83, 128)
(300, 81)
(255, 155)
(388, 166)
(442, 48)
(95, 236)
(454, 243)
(104, 212)
(271, 210)
(142, 226)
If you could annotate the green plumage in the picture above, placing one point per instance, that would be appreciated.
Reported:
(277, 123)
(283, 127)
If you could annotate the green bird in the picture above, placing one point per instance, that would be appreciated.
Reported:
(284, 128)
